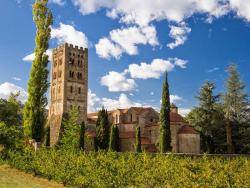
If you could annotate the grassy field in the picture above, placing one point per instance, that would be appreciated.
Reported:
(12, 178)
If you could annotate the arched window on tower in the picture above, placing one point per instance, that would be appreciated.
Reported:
(71, 89)
(79, 90)
(71, 61)
(71, 74)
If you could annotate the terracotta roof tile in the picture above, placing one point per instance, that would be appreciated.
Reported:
(187, 130)
(174, 117)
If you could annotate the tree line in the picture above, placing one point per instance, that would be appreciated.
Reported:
(223, 118)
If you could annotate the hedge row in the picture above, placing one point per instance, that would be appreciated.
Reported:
(101, 169)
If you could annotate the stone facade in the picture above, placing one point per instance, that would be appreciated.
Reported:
(184, 139)
(69, 86)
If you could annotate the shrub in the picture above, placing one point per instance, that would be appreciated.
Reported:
(111, 169)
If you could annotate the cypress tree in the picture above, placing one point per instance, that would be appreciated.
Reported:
(165, 134)
(235, 104)
(102, 130)
(82, 135)
(47, 136)
(34, 111)
(114, 139)
(138, 140)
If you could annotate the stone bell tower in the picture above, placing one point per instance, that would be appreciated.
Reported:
(69, 86)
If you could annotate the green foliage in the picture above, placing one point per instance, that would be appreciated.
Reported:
(114, 139)
(82, 136)
(235, 103)
(11, 132)
(11, 110)
(34, 112)
(11, 136)
(208, 119)
(101, 169)
(71, 131)
(138, 140)
(165, 134)
(102, 130)
(47, 136)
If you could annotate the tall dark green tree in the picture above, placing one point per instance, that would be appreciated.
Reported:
(102, 130)
(34, 112)
(165, 134)
(208, 119)
(82, 136)
(114, 139)
(138, 140)
(235, 104)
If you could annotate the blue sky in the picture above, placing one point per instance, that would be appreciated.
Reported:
(131, 45)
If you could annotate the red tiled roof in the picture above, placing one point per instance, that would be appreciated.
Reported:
(92, 114)
(174, 117)
(187, 130)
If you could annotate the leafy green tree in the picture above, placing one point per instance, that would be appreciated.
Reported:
(235, 104)
(208, 119)
(11, 110)
(11, 132)
(114, 139)
(34, 112)
(71, 131)
(138, 140)
(82, 136)
(102, 130)
(165, 134)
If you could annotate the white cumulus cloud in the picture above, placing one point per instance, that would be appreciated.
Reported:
(136, 12)
(63, 34)
(126, 40)
(175, 98)
(242, 8)
(117, 82)
(58, 2)
(184, 111)
(68, 34)
(95, 102)
(107, 49)
(155, 69)
(7, 88)
(178, 34)
(31, 57)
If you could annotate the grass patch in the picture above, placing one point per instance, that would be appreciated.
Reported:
(10, 178)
